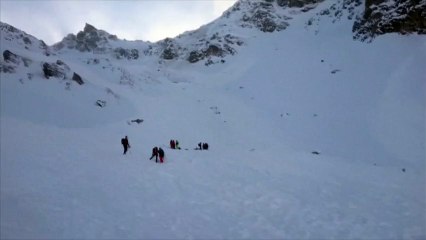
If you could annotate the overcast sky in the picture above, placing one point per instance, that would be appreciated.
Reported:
(148, 20)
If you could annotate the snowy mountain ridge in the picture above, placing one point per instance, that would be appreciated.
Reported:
(20, 38)
(217, 39)
(210, 44)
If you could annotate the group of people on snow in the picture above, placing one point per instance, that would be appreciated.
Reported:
(158, 152)
(174, 144)
(203, 146)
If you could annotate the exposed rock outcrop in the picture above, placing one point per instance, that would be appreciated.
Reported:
(130, 54)
(57, 70)
(10, 57)
(296, 3)
(77, 78)
(262, 15)
(22, 39)
(210, 50)
(5, 68)
(170, 49)
(381, 17)
(216, 46)
(90, 39)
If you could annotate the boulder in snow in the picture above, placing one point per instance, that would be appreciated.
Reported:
(77, 78)
(10, 57)
(100, 103)
(57, 70)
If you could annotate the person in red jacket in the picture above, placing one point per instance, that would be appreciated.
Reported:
(172, 144)
(161, 155)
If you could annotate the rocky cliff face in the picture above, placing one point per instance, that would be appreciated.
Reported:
(90, 39)
(378, 17)
(210, 44)
(94, 40)
(262, 15)
(213, 42)
(266, 15)
(295, 3)
(383, 16)
(22, 39)
(24, 43)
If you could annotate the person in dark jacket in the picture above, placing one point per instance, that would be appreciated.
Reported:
(161, 155)
(199, 146)
(177, 145)
(154, 154)
(125, 143)
(172, 144)
(205, 146)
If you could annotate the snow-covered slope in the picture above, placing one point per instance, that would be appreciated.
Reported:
(312, 135)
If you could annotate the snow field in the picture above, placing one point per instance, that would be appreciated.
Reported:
(263, 113)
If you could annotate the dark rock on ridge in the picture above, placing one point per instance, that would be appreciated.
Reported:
(382, 16)
(90, 39)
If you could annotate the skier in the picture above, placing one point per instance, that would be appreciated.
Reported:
(154, 153)
(125, 143)
(172, 144)
(161, 154)
(199, 146)
(177, 144)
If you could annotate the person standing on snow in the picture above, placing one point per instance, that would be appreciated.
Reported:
(177, 144)
(172, 144)
(161, 155)
(205, 146)
(125, 143)
(154, 153)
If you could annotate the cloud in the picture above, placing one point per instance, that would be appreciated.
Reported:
(220, 6)
(133, 20)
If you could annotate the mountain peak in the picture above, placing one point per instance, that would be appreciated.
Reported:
(89, 39)
(89, 28)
